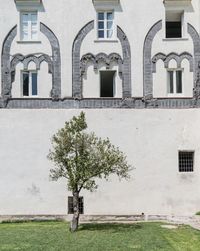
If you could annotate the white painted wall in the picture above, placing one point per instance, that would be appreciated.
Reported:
(151, 145)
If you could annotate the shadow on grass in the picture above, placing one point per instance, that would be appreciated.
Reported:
(114, 227)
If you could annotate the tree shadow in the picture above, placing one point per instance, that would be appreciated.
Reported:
(114, 227)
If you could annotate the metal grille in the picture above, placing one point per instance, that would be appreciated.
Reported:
(186, 161)
(70, 205)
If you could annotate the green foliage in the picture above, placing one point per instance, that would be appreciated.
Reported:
(198, 213)
(80, 156)
(55, 236)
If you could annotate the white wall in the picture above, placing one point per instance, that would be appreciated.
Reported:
(151, 146)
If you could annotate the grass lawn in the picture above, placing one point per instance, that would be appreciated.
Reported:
(51, 236)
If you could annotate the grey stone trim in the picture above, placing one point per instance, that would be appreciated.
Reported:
(76, 64)
(101, 58)
(76, 61)
(147, 59)
(102, 103)
(5, 64)
(56, 58)
(126, 50)
(196, 42)
(166, 59)
(27, 59)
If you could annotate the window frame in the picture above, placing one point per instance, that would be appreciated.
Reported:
(105, 38)
(29, 39)
(175, 93)
(114, 82)
(193, 161)
(30, 83)
(70, 205)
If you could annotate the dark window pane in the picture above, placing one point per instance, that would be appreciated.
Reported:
(101, 34)
(110, 16)
(100, 25)
(107, 83)
(100, 16)
(173, 30)
(179, 81)
(25, 84)
(186, 161)
(171, 82)
(34, 84)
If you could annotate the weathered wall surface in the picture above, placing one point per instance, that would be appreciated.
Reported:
(150, 138)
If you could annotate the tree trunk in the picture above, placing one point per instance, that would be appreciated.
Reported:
(75, 219)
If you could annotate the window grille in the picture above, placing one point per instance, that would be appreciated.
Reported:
(186, 161)
(70, 205)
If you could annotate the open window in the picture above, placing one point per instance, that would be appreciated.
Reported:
(174, 24)
(107, 84)
(174, 81)
(29, 83)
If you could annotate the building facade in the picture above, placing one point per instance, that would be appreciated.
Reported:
(134, 68)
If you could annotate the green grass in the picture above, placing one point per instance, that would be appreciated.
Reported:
(51, 236)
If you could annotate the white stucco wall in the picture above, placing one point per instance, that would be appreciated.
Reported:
(151, 145)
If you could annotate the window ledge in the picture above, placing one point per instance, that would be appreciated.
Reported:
(106, 41)
(29, 42)
(176, 39)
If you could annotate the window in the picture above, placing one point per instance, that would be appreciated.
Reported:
(107, 83)
(186, 161)
(29, 83)
(70, 205)
(29, 26)
(105, 25)
(173, 24)
(174, 79)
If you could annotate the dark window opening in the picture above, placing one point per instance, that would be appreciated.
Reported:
(173, 29)
(71, 208)
(107, 83)
(25, 84)
(186, 161)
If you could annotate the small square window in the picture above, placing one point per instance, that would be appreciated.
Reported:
(186, 161)
(70, 205)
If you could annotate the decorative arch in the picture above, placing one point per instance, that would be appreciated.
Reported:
(166, 59)
(8, 67)
(196, 44)
(101, 58)
(77, 68)
(6, 84)
(25, 60)
(147, 60)
(56, 59)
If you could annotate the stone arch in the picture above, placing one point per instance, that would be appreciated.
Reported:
(76, 64)
(196, 44)
(147, 60)
(166, 59)
(56, 59)
(5, 64)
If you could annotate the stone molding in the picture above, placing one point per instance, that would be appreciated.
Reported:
(25, 60)
(177, 57)
(101, 58)
(147, 59)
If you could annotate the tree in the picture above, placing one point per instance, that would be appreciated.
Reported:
(81, 157)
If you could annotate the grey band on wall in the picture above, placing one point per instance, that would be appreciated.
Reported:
(147, 63)
(76, 64)
(126, 76)
(56, 74)
(5, 64)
